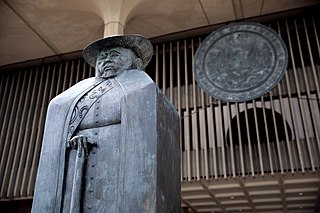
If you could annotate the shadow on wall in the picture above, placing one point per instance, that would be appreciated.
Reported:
(267, 126)
(16, 206)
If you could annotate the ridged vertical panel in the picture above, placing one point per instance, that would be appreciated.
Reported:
(25, 95)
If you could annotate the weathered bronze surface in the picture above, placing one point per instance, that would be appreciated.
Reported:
(111, 142)
(240, 62)
(138, 44)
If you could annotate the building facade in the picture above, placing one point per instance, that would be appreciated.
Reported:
(254, 156)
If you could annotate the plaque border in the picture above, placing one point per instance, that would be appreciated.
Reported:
(281, 61)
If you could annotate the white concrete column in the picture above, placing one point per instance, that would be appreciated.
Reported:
(113, 28)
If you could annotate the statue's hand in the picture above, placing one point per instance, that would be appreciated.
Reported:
(81, 143)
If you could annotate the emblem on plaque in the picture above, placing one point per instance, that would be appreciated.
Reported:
(240, 62)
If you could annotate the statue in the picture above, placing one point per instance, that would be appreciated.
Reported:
(110, 142)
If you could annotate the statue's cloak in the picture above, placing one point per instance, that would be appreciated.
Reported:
(139, 125)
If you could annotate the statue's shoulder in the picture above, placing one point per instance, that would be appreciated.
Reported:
(135, 77)
(135, 81)
(72, 92)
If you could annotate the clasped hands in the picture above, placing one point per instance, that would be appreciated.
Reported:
(82, 144)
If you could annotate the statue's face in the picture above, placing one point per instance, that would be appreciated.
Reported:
(113, 61)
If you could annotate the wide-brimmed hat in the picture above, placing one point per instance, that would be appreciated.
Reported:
(140, 46)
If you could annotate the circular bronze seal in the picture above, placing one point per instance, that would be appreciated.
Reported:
(240, 62)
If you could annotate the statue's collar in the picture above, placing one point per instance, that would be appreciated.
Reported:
(123, 73)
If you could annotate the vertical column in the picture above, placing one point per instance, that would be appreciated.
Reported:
(113, 28)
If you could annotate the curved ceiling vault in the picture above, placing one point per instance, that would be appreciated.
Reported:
(156, 18)
(33, 29)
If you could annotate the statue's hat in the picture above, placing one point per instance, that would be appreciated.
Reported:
(140, 46)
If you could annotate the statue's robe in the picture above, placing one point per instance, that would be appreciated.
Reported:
(133, 125)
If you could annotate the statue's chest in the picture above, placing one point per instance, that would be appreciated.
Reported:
(106, 110)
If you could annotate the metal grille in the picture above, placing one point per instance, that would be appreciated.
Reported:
(276, 133)
(25, 95)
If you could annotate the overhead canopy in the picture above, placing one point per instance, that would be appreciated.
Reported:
(33, 29)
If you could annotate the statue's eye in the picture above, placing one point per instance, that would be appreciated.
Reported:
(114, 54)
(102, 56)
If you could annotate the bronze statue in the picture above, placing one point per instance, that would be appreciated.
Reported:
(106, 138)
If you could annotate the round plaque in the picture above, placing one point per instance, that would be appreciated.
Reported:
(240, 62)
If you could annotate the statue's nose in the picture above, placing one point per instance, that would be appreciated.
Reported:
(108, 60)
(108, 57)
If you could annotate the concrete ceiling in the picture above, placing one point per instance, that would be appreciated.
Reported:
(273, 193)
(33, 29)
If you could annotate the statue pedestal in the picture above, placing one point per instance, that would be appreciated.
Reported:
(150, 155)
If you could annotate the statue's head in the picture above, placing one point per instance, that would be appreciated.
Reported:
(112, 55)
(113, 61)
